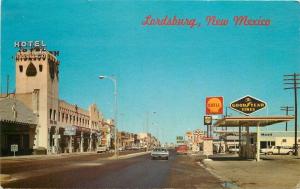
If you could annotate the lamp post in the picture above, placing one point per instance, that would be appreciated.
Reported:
(114, 80)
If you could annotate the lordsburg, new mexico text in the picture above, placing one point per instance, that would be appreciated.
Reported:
(210, 21)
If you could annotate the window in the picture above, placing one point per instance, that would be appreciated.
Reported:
(21, 68)
(31, 70)
(54, 115)
(284, 140)
(50, 114)
(41, 68)
(58, 116)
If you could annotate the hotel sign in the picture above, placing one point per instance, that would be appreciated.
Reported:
(29, 44)
(247, 105)
(214, 105)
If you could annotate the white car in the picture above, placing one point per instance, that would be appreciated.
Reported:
(160, 153)
(278, 150)
(101, 149)
(233, 149)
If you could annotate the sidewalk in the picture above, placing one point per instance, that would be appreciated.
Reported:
(48, 156)
(271, 172)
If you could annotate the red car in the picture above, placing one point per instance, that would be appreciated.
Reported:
(182, 149)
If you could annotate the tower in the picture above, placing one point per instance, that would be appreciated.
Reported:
(37, 74)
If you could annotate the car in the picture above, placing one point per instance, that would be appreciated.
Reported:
(160, 153)
(278, 150)
(233, 149)
(101, 149)
(182, 149)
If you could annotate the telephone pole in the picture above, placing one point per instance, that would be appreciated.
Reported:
(287, 109)
(292, 82)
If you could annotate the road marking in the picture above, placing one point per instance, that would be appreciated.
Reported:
(89, 164)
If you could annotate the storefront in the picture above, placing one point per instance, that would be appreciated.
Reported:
(17, 127)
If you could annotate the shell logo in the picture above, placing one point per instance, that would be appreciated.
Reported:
(214, 105)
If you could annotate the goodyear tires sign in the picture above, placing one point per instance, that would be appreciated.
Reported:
(247, 105)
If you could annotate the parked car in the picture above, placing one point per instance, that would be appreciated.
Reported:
(160, 153)
(233, 149)
(101, 149)
(278, 150)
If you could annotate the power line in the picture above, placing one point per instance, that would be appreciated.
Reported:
(287, 109)
(292, 82)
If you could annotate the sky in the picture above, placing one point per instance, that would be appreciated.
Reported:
(164, 73)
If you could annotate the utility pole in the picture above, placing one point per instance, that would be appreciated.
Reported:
(292, 82)
(287, 109)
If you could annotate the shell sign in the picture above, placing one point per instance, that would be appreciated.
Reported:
(214, 105)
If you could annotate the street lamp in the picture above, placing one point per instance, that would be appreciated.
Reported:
(114, 80)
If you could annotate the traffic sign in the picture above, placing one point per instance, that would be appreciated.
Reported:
(247, 105)
(14, 148)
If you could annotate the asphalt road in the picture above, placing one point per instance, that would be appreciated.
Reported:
(93, 171)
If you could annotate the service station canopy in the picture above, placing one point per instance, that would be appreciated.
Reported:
(248, 121)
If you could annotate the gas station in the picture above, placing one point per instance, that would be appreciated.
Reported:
(250, 126)
(249, 142)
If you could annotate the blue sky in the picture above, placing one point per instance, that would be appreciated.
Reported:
(169, 70)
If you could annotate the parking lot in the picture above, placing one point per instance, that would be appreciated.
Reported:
(273, 171)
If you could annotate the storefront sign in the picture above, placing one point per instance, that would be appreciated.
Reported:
(247, 105)
(214, 105)
(70, 130)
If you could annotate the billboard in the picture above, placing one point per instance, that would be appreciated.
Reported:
(214, 105)
(247, 105)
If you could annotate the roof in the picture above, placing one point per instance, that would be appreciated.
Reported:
(14, 111)
(248, 121)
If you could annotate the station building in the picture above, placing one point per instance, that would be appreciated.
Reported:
(36, 119)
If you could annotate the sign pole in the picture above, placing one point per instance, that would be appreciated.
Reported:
(258, 143)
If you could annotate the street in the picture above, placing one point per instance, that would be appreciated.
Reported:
(98, 171)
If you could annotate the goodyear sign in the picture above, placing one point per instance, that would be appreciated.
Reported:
(214, 105)
(247, 105)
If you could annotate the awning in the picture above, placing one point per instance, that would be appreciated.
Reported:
(14, 111)
(251, 121)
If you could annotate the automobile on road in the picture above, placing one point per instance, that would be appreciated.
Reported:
(160, 153)
(182, 149)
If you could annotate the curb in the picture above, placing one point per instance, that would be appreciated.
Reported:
(4, 178)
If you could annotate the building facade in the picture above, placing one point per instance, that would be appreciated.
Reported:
(37, 93)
